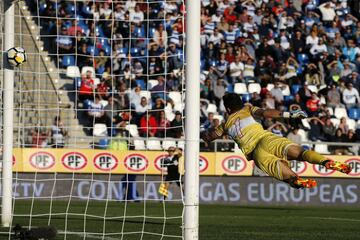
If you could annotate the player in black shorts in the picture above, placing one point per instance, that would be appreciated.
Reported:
(171, 162)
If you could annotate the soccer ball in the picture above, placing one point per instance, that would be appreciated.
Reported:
(16, 56)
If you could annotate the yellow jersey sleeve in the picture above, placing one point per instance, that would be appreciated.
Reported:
(251, 109)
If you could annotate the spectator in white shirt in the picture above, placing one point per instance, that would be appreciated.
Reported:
(216, 18)
(327, 11)
(160, 36)
(320, 47)
(129, 5)
(236, 70)
(143, 106)
(277, 94)
(137, 16)
(216, 37)
(350, 96)
(312, 39)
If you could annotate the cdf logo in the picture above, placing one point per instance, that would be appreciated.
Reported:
(42, 160)
(136, 162)
(298, 166)
(355, 165)
(74, 161)
(234, 164)
(203, 164)
(105, 161)
(322, 170)
(158, 163)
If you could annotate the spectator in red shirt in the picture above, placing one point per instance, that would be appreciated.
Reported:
(102, 89)
(163, 124)
(313, 104)
(87, 87)
(148, 126)
(74, 29)
(230, 14)
(38, 138)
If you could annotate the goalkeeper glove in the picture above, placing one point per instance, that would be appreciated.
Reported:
(295, 114)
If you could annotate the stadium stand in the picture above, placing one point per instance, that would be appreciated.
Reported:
(251, 46)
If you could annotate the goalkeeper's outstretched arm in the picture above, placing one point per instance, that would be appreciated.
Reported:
(273, 113)
(212, 134)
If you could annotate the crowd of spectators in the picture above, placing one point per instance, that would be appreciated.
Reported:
(301, 53)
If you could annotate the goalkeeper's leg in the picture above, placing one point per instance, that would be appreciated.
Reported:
(279, 169)
(296, 152)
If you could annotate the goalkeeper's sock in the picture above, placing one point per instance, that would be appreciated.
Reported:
(313, 157)
(338, 166)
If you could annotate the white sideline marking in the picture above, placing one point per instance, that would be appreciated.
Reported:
(88, 236)
(336, 219)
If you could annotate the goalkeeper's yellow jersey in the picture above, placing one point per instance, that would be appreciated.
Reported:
(243, 129)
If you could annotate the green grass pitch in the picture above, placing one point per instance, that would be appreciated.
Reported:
(217, 222)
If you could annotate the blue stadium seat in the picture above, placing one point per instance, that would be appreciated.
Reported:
(87, 104)
(100, 70)
(151, 32)
(67, 24)
(230, 88)
(303, 58)
(141, 83)
(42, 7)
(77, 83)
(93, 51)
(295, 88)
(354, 113)
(135, 52)
(103, 143)
(86, 10)
(287, 99)
(99, 32)
(68, 60)
(246, 97)
(107, 50)
(70, 8)
(104, 42)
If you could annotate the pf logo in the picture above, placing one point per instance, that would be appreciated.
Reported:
(105, 161)
(74, 161)
(298, 166)
(158, 162)
(322, 170)
(42, 160)
(233, 164)
(355, 165)
(203, 164)
(136, 162)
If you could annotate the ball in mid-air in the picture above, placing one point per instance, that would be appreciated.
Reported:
(16, 56)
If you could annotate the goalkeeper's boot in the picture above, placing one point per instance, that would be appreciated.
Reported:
(338, 166)
(297, 182)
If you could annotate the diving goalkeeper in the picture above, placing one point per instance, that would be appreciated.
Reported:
(269, 152)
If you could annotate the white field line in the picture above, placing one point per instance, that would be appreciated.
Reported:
(336, 219)
(88, 235)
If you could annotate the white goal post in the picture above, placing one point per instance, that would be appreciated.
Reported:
(62, 191)
(192, 124)
(8, 112)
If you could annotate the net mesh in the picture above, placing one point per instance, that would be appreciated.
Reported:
(98, 104)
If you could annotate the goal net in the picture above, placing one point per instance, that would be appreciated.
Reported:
(98, 118)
